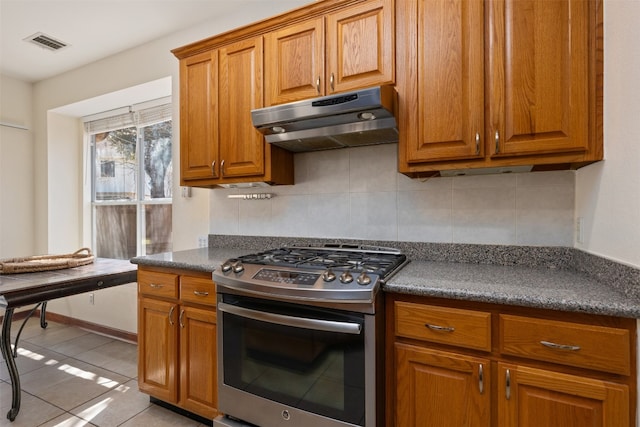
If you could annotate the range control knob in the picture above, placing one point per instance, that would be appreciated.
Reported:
(238, 267)
(363, 279)
(226, 266)
(328, 275)
(346, 277)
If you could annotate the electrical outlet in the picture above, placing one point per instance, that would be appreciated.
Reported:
(203, 241)
(91, 299)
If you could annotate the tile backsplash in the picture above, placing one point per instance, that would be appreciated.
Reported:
(357, 193)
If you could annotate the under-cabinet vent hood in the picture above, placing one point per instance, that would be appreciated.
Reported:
(351, 119)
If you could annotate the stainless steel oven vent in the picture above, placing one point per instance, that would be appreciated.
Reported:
(45, 41)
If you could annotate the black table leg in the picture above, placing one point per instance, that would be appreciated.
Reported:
(5, 344)
(43, 316)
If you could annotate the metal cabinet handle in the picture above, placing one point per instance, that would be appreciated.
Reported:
(497, 142)
(508, 385)
(155, 285)
(477, 143)
(201, 294)
(331, 82)
(440, 328)
(173, 307)
(213, 167)
(318, 84)
(560, 346)
(222, 168)
(180, 319)
(481, 379)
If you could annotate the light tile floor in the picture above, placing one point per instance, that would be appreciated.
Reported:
(72, 377)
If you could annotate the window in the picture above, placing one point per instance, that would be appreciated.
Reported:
(132, 172)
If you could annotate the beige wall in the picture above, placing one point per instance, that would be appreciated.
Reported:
(608, 193)
(16, 169)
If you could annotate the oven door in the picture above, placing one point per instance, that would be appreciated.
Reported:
(283, 362)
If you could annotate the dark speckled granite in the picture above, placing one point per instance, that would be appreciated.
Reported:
(557, 278)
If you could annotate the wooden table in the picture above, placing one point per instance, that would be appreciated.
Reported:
(24, 289)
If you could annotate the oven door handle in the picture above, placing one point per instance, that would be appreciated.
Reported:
(297, 322)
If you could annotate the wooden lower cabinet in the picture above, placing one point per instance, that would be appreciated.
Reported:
(530, 397)
(177, 359)
(540, 368)
(441, 389)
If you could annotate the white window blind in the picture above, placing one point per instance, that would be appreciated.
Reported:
(135, 116)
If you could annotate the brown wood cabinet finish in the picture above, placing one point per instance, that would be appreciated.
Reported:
(515, 381)
(346, 49)
(177, 359)
(498, 83)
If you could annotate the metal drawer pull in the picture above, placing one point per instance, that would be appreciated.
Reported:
(222, 168)
(481, 379)
(508, 385)
(180, 319)
(560, 346)
(332, 82)
(497, 142)
(440, 328)
(201, 294)
(155, 285)
(213, 167)
(477, 143)
(318, 84)
(173, 307)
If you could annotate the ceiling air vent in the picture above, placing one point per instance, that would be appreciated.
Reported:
(46, 41)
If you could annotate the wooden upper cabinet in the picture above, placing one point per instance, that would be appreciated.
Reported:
(350, 48)
(199, 116)
(539, 52)
(294, 64)
(490, 84)
(242, 147)
(448, 91)
(360, 46)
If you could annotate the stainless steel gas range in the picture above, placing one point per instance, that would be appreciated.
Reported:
(299, 342)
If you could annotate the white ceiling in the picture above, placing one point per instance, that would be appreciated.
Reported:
(93, 29)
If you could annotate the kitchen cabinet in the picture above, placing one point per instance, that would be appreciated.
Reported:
(498, 84)
(218, 143)
(177, 360)
(348, 48)
(457, 363)
(443, 387)
(199, 138)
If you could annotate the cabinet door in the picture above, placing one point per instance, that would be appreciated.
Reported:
(294, 62)
(199, 116)
(440, 389)
(442, 50)
(242, 150)
(158, 349)
(198, 361)
(539, 56)
(529, 397)
(360, 46)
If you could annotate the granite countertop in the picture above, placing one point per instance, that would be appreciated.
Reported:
(537, 287)
(555, 287)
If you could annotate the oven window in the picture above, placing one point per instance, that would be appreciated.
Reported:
(313, 370)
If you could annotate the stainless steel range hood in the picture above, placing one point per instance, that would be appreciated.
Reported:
(351, 119)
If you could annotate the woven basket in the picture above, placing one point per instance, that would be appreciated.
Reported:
(46, 262)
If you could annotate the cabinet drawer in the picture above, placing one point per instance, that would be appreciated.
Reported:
(153, 283)
(588, 346)
(462, 328)
(198, 290)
